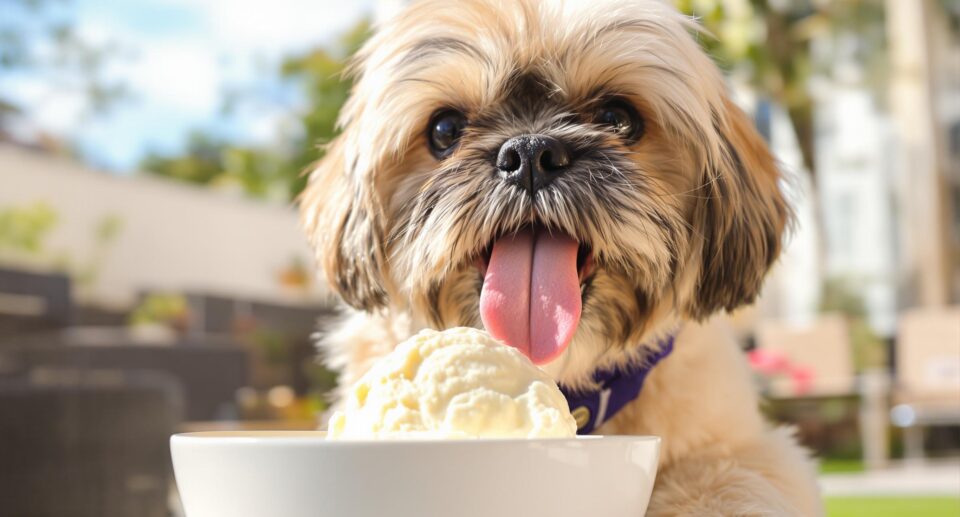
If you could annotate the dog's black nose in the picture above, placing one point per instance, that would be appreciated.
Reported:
(532, 161)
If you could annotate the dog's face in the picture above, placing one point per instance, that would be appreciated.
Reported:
(572, 176)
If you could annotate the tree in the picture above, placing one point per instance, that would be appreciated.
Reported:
(261, 171)
(201, 163)
(321, 74)
(36, 37)
(772, 43)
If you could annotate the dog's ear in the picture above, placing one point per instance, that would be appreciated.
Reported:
(342, 220)
(740, 217)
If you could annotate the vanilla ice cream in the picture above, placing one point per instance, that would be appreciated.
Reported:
(459, 383)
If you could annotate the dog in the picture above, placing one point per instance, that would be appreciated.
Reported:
(575, 178)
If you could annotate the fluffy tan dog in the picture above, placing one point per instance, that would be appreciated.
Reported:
(574, 177)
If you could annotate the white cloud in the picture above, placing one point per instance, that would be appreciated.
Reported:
(61, 114)
(277, 25)
(182, 75)
(180, 72)
(49, 109)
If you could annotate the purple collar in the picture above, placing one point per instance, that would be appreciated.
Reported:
(618, 387)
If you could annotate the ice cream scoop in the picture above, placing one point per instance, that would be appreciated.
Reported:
(459, 383)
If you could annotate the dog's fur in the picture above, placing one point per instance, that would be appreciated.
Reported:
(682, 223)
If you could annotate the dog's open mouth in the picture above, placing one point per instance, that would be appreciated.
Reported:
(531, 294)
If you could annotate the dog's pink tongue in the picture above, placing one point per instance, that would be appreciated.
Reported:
(531, 293)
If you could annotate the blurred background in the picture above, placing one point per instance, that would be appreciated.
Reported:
(153, 277)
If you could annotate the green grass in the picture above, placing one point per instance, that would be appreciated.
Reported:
(836, 466)
(893, 506)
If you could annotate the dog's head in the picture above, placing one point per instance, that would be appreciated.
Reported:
(571, 175)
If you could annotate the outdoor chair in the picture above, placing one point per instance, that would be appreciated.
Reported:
(927, 381)
(86, 443)
(821, 349)
(819, 360)
(33, 302)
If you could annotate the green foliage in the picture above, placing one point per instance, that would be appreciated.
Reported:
(105, 232)
(771, 44)
(840, 466)
(163, 309)
(261, 172)
(24, 229)
(771, 40)
(108, 229)
(840, 295)
(39, 36)
(201, 163)
(273, 344)
(843, 295)
(952, 9)
(321, 75)
(322, 381)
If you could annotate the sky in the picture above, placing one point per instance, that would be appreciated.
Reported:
(177, 59)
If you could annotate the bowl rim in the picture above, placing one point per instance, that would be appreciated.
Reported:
(318, 438)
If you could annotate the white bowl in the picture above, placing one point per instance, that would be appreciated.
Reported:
(292, 474)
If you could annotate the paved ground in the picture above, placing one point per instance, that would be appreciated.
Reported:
(931, 479)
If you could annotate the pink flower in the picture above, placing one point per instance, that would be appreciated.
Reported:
(802, 379)
(768, 362)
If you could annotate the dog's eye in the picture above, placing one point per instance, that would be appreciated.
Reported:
(445, 130)
(621, 118)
